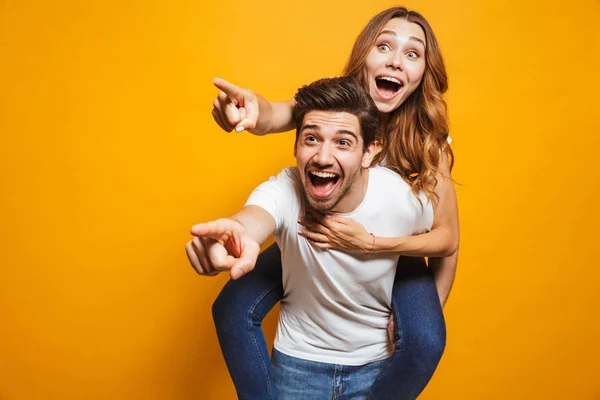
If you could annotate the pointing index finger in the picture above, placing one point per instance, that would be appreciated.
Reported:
(231, 90)
(213, 229)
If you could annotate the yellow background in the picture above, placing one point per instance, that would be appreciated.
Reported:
(109, 155)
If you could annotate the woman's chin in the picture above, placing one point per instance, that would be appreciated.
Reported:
(385, 107)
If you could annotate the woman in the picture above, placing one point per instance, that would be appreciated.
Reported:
(397, 59)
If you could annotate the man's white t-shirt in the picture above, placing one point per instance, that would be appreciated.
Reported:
(336, 305)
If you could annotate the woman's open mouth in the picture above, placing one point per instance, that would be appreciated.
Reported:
(388, 87)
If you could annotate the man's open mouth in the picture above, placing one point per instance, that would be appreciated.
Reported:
(388, 86)
(322, 183)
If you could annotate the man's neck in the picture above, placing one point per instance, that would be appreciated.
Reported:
(354, 197)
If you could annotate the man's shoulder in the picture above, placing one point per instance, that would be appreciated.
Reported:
(279, 196)
(288, 177)
(390, 189)
(387, 186)
(291, 173)
(384, 176)
(282, 187)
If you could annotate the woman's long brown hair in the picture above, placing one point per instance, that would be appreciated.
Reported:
(416, 133)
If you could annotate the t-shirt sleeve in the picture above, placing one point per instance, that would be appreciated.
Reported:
(275, 196)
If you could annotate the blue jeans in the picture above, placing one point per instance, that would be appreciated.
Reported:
(296, 379)
(420, 330)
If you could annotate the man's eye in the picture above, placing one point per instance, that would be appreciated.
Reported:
(344, 143)
(311, 139)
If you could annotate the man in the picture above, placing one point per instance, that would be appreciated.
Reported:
(336, 305)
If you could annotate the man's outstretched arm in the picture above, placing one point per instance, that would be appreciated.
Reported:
(259, 224)
(230, 244)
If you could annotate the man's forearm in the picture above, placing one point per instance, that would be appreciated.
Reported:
(256, 221)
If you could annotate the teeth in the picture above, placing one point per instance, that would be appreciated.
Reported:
(390, 79)
(323, 174)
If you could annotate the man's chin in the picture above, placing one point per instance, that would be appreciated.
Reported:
(322, 205)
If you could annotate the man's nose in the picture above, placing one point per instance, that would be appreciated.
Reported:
(325, 155)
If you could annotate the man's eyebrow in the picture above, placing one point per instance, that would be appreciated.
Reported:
(314, 127)
(414, 38)
(346, 132)
(339, 132)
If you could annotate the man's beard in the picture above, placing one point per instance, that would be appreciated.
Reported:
(329, 204)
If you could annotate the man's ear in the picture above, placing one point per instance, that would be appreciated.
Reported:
(369, 154)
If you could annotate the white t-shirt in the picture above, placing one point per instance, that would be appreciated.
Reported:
(336, 305)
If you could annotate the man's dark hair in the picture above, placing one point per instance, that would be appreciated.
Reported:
(342, 94)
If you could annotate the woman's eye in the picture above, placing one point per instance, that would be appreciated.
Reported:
(412, 54)
(384, 47)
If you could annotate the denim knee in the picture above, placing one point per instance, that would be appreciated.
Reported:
(426, 345)
(228, 308)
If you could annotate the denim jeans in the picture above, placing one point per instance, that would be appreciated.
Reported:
(296, 378)
(420, 330)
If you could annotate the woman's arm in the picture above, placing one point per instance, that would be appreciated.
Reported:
(442, 240)
(334, 232)
(242, 109)
(274, 117)
(446, 220)
(440, 244)
(444, 270)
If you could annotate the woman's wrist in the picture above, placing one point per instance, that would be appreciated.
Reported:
(388, 245)
(370, 243)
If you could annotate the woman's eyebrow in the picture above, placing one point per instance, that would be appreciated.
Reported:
(414, 38)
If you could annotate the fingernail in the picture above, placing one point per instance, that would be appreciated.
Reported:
(239, 129)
